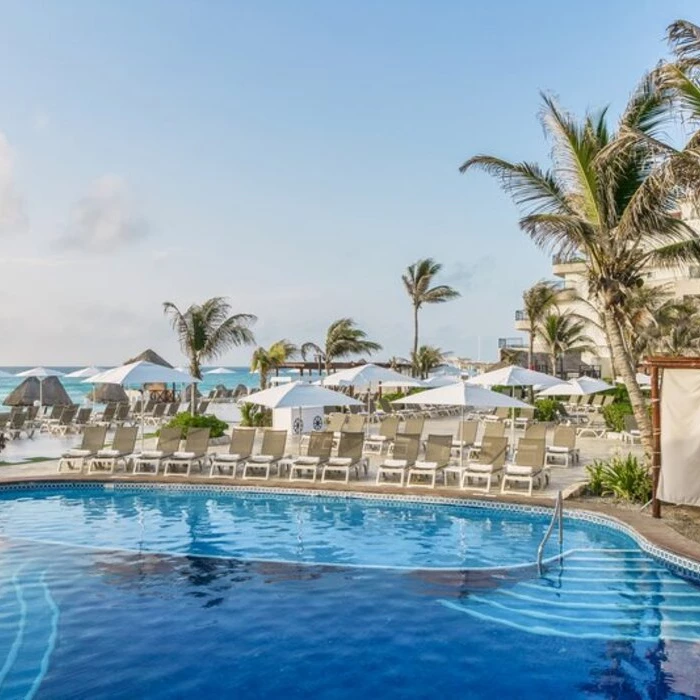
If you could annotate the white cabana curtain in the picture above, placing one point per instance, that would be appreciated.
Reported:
(680, 437)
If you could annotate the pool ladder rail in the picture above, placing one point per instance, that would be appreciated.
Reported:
(557, 518)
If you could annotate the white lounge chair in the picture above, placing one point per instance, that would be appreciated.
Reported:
(107, 459)
(240, 448)
(563, 446)
(387, 433)
(489, 464)
(93, 441)
(305, 467)
(195, 452)
(528, 467)
(271, 452)
(438, 449)
(149, 461)
(406, 449)
(349, 458)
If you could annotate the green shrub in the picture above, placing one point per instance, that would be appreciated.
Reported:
(549, 409)
(622, 477)
(393, 395)
(596, 482)
(253, 416)
(614, 416)
(187, 420)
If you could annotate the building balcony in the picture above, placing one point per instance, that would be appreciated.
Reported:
(563, 265)
(522, 322)
(514, 343)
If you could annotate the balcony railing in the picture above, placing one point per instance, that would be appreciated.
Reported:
(521, 315)
(567, 259)
(511, 343)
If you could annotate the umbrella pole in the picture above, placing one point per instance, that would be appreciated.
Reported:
(192, 398)
(41, 395)
(143, 420)
(512, 423)
(460, 432)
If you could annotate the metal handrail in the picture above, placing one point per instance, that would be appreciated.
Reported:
(557, 517)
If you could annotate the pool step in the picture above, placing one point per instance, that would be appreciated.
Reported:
(610, 595)
(28, 624)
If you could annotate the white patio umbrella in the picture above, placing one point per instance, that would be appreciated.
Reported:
(182, 368)
(644, 380)
(438, 380)
(139, 373)
(581, 386)
(84, 373)
(40, 373)
(298, 395)
(370, 377)
(220, 370)
(513, 376)
(463, 394)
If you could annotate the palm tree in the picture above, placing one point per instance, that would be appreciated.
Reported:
(207, 330)
(561, 334)
(343, 339)
(417, 280)
(427, 359)
(538, 300)
(608, 198)
(266, 360)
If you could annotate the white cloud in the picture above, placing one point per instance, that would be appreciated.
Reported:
(13, 217)
(105, 220)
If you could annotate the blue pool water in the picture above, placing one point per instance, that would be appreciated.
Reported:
(131, 592)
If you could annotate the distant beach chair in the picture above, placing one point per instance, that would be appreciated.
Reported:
(16, 426)
(336, 421)
(406, 448)
(596, 427)
(631, 432)
(563, 446)
(93, 441)
(65, 422)
(387, 433)
(523, 420)
(491, 430)
(271, 452)
(438, 449)
(354, 424)
(123, 446)
(195, 452)
(107, 416)
(240, 448)
(466, 436)
(536, 431)
(51, 419)
(156, 416)
(149, 461)
(489, 464)
(528, 467)
(349, 458)
(305, 467)
(82, 419)
(202, 407)
(413, 426)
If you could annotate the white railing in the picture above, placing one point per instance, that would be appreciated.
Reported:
(557, 517)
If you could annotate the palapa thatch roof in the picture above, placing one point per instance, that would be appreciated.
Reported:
(52, 393)
(108, 393)
(149, 356)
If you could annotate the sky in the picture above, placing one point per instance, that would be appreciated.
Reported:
(293, 157)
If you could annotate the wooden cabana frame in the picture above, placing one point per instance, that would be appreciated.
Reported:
(657, 365)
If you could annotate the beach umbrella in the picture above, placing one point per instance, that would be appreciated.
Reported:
(512, 376)
(181, 368)
(465, 395)
(438, 380)
(138, 374)
(298, 395)
(644, 380)
(220, 370)
(149, 355)
(40, 373)
(27, 393)
(370, 377)
(581, 386)
(84, 373)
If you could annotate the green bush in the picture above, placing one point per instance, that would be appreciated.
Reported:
(614, 416)
(548, 410)
(187, 420)
(622, 477)
(393, 395)
(253, 416)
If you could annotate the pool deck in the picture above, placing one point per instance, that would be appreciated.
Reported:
(569, 480)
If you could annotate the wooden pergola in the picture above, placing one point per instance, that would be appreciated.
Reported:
(656, 365)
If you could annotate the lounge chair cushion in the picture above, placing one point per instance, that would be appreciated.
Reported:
(108, 453)
(152, 454)
(309, 461)
(377, 438)
(558, 449)
(425, 465)
(480, 468)
(261, 459)
(339, 462)
(394, 464)
(184, 455)
(517, 470)
(228, 457)
(78, 453)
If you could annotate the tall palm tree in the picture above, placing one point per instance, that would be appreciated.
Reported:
(266, 360)
(207, 330)
(608, 198)
(418, 279)
(343, 339)
(562, 333)
(538, 300)
(427, 359)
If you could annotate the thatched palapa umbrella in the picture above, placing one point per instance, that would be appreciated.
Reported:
(51, 389)
(149, 356)
(108, 393)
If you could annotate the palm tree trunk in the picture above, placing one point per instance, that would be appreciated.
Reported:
(628, 373)
(415, 330)
(554, 364)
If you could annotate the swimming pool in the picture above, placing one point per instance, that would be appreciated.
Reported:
(126, 591)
